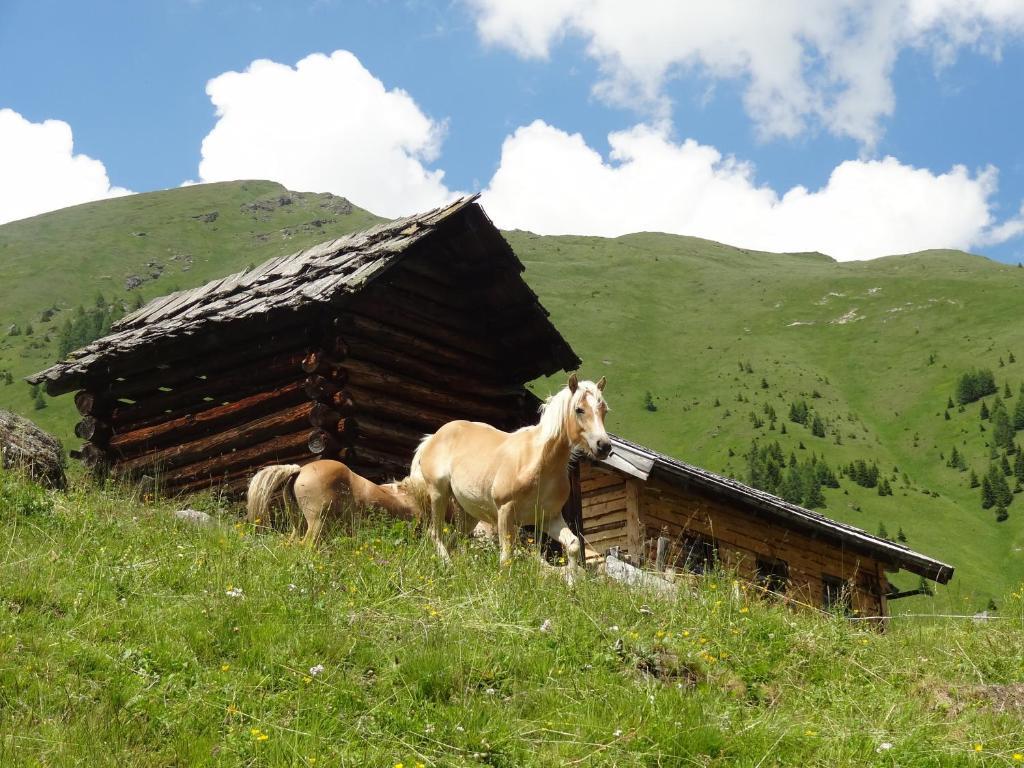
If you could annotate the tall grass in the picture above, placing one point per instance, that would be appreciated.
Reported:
(128, 638)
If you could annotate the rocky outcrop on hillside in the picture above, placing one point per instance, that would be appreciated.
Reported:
(25, 447)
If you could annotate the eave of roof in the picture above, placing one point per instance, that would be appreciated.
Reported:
(641, 462)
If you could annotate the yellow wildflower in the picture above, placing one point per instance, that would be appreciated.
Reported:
(225, 667)
(1018, 757)
(399, 765)
(744, 609)
(262, 737)
(978, 747)
(810, 733)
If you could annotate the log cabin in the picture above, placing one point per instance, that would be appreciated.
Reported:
(655, 510)
(357, 347)
(352, 349)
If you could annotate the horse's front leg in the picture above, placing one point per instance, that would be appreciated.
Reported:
(557, 529)
(506, 531)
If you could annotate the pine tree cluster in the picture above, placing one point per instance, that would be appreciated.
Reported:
(974, 385)
(798, 482)
(864, 475)
(86, 325)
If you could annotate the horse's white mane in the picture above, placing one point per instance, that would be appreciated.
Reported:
(559, 407)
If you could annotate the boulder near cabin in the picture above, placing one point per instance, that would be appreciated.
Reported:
(356, 348)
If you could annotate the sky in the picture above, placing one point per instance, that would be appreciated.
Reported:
(856, 128)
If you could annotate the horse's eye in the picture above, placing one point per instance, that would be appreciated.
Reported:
(580, 411)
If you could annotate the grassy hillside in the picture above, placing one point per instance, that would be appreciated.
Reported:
(130, 639)
(135, 248)
(874, 348)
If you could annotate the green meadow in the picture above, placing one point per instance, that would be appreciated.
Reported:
(128, 638)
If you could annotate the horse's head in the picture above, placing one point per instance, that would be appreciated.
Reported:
(585, 421)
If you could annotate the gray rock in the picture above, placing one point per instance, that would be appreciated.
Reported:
(194, 516)
(25, 447)
(132, 282)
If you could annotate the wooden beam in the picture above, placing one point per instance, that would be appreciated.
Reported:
(132, 443)
(271, 451)
(287, 420)
(634, 528)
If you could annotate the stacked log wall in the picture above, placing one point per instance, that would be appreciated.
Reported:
(740, 537)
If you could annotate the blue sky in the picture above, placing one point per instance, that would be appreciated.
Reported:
(714, 123)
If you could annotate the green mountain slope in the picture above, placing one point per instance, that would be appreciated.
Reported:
(881, 343)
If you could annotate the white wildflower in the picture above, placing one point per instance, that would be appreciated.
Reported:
(885, 746)
(618, 732)
(546, 626)
(316, 670)
(292, 587)
(234, 592)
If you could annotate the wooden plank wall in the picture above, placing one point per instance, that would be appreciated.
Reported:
(604, 508)
(363, 385)
(741, 537)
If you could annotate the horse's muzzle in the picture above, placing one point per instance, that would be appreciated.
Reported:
(604, 448)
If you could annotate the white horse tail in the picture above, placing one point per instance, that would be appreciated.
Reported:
(262, 489)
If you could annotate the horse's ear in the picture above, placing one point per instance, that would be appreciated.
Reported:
(600, 384)
(573, 382)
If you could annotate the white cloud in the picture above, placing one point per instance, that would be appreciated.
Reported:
(800, 63)
(39, 171)
(325, 125)
(551, 182)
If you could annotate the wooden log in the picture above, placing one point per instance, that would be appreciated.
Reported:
(92, 429)
(400, 362)
(90, 403)
(411, 320)
(380, 432)
(322, 443)
(145, 355)
(94, 456)
(364, 401)
(276, 450)
(257, 376)
(661, 558)
(634, 534)
(288, 420)
(272, 451)
(386, 334)
(324, 415)
(321, 388)
(178, 373)
(323, 362)
(372, 377)
(129, 444)
(388, 464)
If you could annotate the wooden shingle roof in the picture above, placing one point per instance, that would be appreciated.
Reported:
(324, 273)
(642, 463)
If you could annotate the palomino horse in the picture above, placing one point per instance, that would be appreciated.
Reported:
(320, 491)
(513, 479)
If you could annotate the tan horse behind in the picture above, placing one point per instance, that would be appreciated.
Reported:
(513, 479)
(319, 492)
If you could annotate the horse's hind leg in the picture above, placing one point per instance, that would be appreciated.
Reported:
(438, 510)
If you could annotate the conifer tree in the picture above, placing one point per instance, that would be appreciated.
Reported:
(1018, 467)
(783, 429)
(983, 414)
(949, 402)
(901, 537)
(946, 414)
(1018, 412)
(38, 403)
(988, 498)
(1001, 514)
(817, 427)
(882, 532)
(1005, 466)
(974, 479)
(1011, 358)
(1007, 394)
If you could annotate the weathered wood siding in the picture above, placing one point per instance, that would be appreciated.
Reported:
(740, 537)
